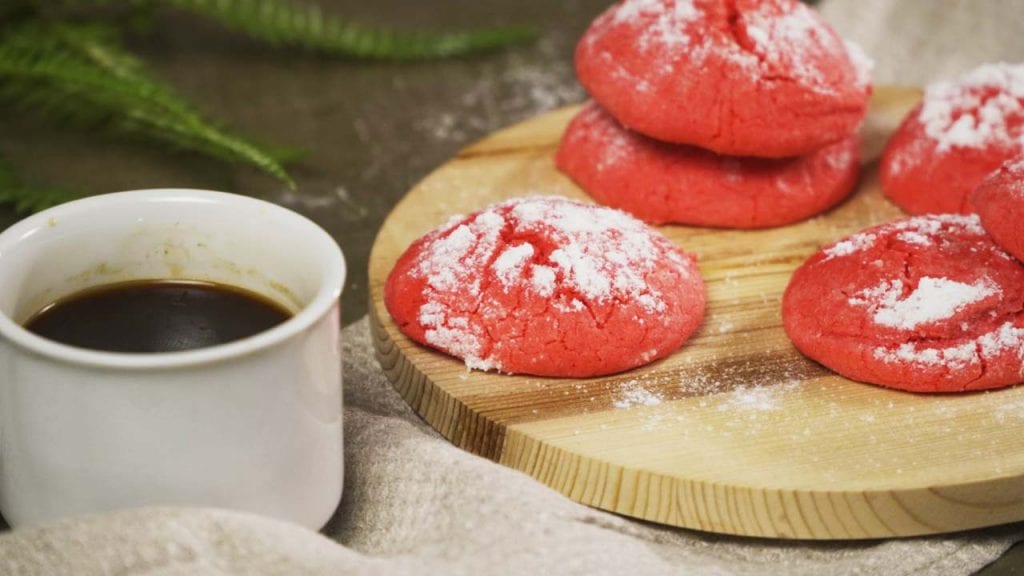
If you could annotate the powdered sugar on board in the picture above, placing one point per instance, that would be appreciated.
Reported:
(540, 246)
(633, 393)
(981, 109)
(746, 410)
(757, 398)
(747, 398)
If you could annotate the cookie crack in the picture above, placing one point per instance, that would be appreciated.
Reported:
(736, 27)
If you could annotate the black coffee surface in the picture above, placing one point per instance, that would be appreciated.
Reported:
(156, 316)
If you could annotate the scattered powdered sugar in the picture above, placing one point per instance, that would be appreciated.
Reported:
(632, 10)
(839, 157)
(756, 398)
(465, 246)
(543, 279)
(796, 37)
(633, 393)
(1006, 338)
(1008, 411)
(1011, 177)
(919, 230)
(510, 264)
(932, 300)
(603, 254)
(615, 148)
(584, 270)
(982, 108)
(896, 304)
(908, 156)
(863, 65)
(455, 247)
(453, 332)
(852, 245)
(616, 140)
(497, 91)
(667, 24)
(955, 357)
(789, 42)
(747, 403)
(913, 237)
(937, 224)
(599, 255)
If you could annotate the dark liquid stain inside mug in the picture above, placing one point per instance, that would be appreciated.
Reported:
(156, 316)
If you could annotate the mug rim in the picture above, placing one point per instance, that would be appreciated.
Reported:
(327, 295)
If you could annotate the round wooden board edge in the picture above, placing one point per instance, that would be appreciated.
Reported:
(734, 510)
(722, 509)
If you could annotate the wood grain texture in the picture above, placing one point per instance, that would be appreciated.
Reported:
(736, 432)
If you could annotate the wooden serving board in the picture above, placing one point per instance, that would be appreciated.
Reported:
(736, 432)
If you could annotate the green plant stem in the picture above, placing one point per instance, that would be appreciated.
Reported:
(283, 23)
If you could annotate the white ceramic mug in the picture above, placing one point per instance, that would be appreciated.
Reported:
(253, 424)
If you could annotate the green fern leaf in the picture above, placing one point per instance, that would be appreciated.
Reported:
(95, 44)
(282, 23)
(26, 199)
(72, 75)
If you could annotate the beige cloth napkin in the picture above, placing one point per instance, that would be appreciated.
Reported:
(916, 42)
(414, 504)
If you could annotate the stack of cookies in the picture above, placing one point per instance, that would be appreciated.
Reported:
(723, 113)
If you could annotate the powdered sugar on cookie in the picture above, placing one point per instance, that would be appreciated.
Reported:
(933, 300)
(1005, 339)
(567, 257)
(604, 254)
(511, 263)
(983, 108)
(766, 79)
(999, 202)
(954, 357)
(668, 23)
(922, 231)
(862, 63)
(796, 40)
(926, 304)
(850, 245)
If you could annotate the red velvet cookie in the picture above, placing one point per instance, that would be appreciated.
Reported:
(927, 304)
(762, 78)
(547, 286)
(660, 182)
(960, 133)
(999, 201)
